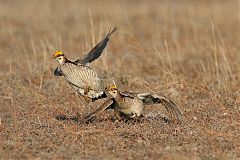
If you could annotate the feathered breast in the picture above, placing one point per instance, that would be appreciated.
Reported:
(81, 76)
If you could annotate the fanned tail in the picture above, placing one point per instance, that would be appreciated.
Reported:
(171, 107)
(104, 95)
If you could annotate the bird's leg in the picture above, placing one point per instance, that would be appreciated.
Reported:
(86, 90)
(100, 109)
(87, 99)
(85, 95)
(118, 115)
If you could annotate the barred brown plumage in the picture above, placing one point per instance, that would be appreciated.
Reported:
(83, 79)
(131, 105)
(126, 105)
(94, 54)
(80, 76)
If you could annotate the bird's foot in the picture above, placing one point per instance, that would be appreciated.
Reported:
(86, 90)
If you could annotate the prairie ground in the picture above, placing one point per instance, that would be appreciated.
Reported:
(187, 50)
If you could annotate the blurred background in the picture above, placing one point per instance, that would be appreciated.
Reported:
(188, 50)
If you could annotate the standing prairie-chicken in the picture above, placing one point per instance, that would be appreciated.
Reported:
(131, 105)
(83, 79)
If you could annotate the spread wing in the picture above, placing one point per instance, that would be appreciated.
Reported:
(171, 107)
(96, 52)
(109, 103)
(128, 94)
(149, 98)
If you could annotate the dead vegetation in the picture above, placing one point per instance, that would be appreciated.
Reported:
(188, 50)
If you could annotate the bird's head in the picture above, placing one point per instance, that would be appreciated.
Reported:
(59, 56)
(112, 90)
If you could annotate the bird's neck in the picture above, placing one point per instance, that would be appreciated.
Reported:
(68, 61)
(65, 60)
(119, 97)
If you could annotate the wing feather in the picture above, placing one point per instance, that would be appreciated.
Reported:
(109, 103)
(96, 52)
(171, 107)
(58, 72)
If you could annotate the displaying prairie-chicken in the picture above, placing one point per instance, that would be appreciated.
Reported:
(131, 105)
(94, 54)
(83, 79)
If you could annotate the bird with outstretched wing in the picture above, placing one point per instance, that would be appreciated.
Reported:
(94, 54)
(131, 105)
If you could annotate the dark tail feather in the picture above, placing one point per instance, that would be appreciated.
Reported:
(170, 106)
(104, 95)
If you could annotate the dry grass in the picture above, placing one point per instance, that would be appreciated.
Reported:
(188, 50)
